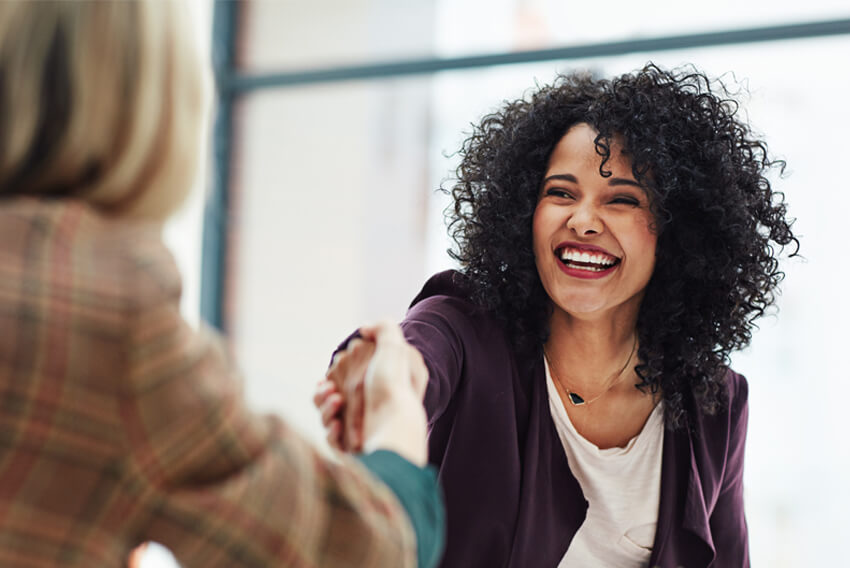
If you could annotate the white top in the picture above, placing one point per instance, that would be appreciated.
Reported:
(622, 487)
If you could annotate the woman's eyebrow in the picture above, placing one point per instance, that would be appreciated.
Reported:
(624, 181)
(611, 181)
(562, 177)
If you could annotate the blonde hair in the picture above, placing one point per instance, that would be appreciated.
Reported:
(104, 101)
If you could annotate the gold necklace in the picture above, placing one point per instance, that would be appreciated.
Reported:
(575, 398)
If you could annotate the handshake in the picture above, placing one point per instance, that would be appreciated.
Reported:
(371, 397)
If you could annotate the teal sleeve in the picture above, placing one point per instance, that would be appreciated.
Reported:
(418, 491)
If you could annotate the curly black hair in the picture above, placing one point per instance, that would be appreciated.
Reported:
(720, 225)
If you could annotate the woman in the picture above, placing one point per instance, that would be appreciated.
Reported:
(617, 240)
(120, 423)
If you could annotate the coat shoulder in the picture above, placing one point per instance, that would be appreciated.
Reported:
(738, 391)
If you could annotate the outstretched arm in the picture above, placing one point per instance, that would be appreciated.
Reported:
(433, 330)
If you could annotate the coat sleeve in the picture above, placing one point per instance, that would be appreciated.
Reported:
(436, 327)
(728, 522)
(221, 486)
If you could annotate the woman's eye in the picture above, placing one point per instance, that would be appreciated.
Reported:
(626, 201)
(555, 192)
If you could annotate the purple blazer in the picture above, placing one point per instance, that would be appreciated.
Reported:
(511, 499)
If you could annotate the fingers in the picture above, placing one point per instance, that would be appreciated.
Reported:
(323, 389)
(361, 353)
(389, 374)
(334, 434)
(418, 372)
(346, 376)
(350, 364)
(327, 400)
(384, 331)
(387, 333)
(353, 435)
(330, 408)
(331, 405)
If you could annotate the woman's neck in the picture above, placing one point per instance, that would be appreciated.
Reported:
(586, 352)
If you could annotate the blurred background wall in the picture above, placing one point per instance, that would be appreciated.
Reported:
(334, 217)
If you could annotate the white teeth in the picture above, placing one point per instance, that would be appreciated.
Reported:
(602, 260)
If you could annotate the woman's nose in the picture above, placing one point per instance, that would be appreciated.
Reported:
(584, 220)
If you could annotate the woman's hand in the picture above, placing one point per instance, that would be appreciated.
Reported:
(372, 395)
(331, 405)
(339, 397)
(393, 416)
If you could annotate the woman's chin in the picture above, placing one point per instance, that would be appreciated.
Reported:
(583, 309)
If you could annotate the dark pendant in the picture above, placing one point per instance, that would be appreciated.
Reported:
(575, 399)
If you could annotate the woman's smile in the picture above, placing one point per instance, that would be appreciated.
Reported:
(585, 261)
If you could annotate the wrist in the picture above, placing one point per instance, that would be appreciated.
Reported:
(399, 426)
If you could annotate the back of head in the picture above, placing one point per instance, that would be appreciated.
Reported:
(102, 101)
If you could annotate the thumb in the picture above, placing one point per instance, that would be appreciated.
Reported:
(384, 331)
(389, 372)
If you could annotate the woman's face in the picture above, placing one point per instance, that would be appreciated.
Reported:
(594, 242)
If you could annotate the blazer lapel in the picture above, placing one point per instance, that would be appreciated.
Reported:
(683, 536)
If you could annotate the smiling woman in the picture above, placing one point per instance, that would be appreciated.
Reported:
(617, 240)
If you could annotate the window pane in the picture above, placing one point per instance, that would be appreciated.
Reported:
(332, 188)
(278, 35)
(464, 27)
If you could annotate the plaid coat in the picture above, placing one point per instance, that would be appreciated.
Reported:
(119, 423)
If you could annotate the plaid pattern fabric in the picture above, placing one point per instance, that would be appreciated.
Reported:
(119, 423)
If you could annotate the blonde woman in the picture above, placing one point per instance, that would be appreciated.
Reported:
(120, 423)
